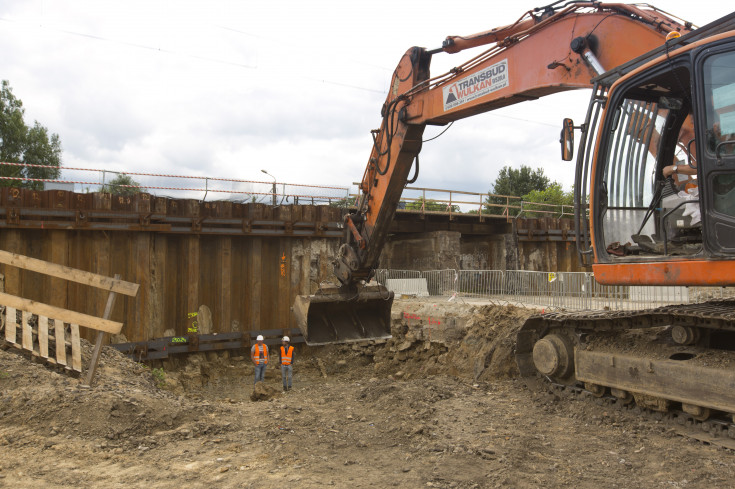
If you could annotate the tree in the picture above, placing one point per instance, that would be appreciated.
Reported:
(515, 183)
(122, 184)
(430, 205)
(554, 194)
(346, 202)
(22, 144)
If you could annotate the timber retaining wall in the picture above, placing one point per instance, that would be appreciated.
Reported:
(245, 262)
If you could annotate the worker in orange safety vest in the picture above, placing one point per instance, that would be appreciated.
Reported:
(259, 355)
(286, 363)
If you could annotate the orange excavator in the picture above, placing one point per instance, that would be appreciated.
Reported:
(654, 190)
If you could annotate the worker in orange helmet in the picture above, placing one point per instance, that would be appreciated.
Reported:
(259, 355)
(286, 363)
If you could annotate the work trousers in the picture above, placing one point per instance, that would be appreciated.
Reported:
(259, 372)
(287, 376)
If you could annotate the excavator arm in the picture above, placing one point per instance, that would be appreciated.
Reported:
(541, 54)
(548, 50)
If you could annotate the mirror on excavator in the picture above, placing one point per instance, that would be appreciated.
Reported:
(344, 314)
(567, 140)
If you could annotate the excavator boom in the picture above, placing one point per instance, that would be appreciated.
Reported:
(548, 50)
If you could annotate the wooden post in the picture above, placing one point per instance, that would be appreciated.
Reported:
(100, 336)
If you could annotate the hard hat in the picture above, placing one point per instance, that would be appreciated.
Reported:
(259, 338)
(286, 338)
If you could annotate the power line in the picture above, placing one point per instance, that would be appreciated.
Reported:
(189, 55)
(226, 62)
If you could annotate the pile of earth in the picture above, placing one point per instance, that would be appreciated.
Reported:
(430, 338)
(126, 405)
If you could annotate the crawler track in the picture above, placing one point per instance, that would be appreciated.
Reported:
(712, 315)
(717, 431)
(637, 357)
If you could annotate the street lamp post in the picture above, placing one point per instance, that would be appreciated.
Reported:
(274, 186)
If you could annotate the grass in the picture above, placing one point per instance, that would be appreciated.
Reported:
(159, 376)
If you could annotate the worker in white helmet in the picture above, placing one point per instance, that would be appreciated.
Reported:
(259, 356)
(286, 363)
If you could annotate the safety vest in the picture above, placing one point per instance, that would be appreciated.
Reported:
(286, 355)
(260, 355)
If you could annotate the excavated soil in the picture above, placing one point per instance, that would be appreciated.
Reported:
(439, 405)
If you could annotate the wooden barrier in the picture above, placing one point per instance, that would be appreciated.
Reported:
(52, 333)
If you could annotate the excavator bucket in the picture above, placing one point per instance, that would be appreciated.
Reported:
(336, 315)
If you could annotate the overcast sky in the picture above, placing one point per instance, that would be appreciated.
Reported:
(228, 88)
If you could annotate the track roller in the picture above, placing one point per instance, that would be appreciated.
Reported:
(698, 412)
(596, 390)
(685, 335)
(623, 396)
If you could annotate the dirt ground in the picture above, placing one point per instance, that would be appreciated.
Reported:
(439, 405)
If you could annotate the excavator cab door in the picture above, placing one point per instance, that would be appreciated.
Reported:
(717, 102)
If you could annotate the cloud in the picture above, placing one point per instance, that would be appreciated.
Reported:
(227, 88)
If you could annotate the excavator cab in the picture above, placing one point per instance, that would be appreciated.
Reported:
(658, 151)
(344, 314)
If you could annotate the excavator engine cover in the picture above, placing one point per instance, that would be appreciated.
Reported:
(343, 315)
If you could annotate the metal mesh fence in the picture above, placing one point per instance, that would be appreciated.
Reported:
(554, 290)
(199, 187)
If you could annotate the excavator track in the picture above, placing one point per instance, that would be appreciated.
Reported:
(717, 431)
(677, 361)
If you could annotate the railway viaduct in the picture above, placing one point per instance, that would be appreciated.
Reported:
(245, 262)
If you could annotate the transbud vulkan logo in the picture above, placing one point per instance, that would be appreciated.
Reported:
(476, 85)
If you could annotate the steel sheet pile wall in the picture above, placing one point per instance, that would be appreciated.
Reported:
(245, 262)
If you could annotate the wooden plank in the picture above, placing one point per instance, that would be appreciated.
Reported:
(13, 279)
(10, 324)
(239, 287)
(27, 331)
(284, 285)
(225, 293)
(143, 310)
(63, 314)
(43, 336)
(71, 274)
(76, 349)
(100, 337)
(192, 278)
(255, 283)
(156, 289)
(32, 283)
(60, 342)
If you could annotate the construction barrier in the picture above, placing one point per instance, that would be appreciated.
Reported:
(554, 290)
(52, 333)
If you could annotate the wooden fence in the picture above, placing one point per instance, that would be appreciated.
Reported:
(52, 333)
